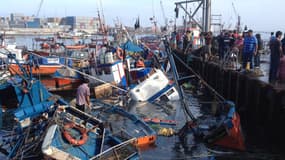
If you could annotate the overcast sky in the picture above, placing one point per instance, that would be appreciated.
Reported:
(258, 15)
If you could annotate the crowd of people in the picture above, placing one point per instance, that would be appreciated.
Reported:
(245, 48)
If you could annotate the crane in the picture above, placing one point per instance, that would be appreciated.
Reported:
(238, 17)
(39, 9)
(164, 17)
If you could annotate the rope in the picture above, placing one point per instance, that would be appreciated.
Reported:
(202, 80)
(84, 74)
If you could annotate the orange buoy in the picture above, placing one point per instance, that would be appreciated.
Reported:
(74, 141)
(140, 63)
(145, 140)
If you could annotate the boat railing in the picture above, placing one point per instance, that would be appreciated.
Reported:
(124, 150)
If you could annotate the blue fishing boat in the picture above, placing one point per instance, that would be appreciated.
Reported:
(78, 135)
(26, 108)
(74, 135)
(124, 124)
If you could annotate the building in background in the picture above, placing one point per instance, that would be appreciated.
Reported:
(81, 23)
(17, 20)
(4, 22)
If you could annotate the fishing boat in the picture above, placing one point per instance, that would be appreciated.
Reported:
(26, 110)
(75, 46)
(61, 140)
(156, 86)
(94, 140)
(66, 79)
(42, 65)
(225, 129)
(124, 124)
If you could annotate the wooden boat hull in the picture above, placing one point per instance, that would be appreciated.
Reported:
(76, 47)
(42, 69)
(66, 83)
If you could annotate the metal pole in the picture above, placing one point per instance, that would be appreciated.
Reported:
(176, 79)
(208, 16)
(204, 15)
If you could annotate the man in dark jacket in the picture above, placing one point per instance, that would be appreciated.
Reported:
(276, 53)
(259, 51)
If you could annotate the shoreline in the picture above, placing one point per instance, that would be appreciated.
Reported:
(32, 31)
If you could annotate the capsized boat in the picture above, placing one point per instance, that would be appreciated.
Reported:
(124, 124)
(154, 87)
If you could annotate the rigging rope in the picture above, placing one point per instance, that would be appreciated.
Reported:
(202, 80)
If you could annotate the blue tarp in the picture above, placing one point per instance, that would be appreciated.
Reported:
(130, 46)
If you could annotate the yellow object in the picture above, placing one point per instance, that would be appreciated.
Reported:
(166, 132)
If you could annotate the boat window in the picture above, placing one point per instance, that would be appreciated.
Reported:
(169, 92)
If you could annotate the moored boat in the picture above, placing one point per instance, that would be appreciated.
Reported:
(75, 135)
(26, 110)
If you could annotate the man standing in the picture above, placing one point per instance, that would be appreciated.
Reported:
(208, 45)
(259, 51)
(249, 49)
(276, 53)
(83, 96)
(283, 45)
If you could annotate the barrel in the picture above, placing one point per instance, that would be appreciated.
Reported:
(109, 57)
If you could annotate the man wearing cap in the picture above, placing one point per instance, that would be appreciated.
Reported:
(249, 49)
(83, 96)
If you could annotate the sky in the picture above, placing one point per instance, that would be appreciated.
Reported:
(259, 15)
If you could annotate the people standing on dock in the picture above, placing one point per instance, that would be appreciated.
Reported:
(259, 51)
(187, 41)
(173, 40)
(283, 44)
(220, 40)
(276, 54)
(227, 43)
(208, 45)
(249, 49)
(83, 96)
(238, 46)
(272, 37)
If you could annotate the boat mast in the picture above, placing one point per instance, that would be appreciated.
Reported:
(176, 79)
(102, 23)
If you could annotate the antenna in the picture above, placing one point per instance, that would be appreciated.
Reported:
(164, 17)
